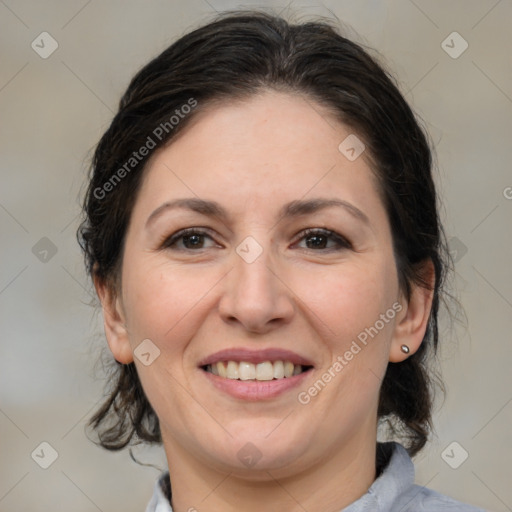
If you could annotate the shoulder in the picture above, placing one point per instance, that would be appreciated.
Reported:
(422, 499)
(395, 490)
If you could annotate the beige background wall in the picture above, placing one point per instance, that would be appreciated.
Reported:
(53, 111)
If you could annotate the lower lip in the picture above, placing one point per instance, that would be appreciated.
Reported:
(254, 390)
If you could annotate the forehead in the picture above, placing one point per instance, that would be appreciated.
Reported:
(273, 145)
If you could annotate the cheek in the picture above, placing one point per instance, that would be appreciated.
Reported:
(165, 304)
(350, 299)
(168, 306)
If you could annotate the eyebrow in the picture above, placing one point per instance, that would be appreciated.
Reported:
(292, 209)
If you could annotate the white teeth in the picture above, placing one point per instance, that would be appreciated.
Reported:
(288, 369)
(264, 371)
(248, 371)
(232, 370)
(278, 370)
(221, 369)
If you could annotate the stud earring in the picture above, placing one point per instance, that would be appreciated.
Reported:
(405, 349)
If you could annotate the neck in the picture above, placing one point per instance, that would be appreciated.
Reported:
(330, 485)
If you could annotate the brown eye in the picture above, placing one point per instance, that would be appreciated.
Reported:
(188, 239)
(321, 238)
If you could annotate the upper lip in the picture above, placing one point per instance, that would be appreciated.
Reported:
(255, 356)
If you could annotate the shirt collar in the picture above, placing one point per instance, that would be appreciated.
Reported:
(396, 478)
(394, 481)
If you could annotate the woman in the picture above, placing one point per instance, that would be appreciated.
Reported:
(262, 231)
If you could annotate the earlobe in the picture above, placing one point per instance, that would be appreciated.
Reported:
(411, 326)
(114, 322)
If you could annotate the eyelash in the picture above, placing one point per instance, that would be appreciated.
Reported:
(341, 241)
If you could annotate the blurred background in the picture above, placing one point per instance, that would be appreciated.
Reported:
(64, 66)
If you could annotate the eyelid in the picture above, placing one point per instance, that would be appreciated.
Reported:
(168, 241)
(342, 242)
(333, 235)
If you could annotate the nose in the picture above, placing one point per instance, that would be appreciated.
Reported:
(256, 296)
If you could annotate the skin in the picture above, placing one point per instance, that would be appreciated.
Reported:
(253, 157)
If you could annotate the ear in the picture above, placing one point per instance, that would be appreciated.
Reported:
(413, 320)
(114, 321)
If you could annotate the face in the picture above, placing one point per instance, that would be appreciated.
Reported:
(255, 243)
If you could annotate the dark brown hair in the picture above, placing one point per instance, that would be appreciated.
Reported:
(233, 57)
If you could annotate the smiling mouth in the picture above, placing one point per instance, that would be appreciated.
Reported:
(264, 371)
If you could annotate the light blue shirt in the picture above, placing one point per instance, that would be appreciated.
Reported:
(393, 491)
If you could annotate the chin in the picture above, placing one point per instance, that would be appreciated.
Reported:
(252, 458)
